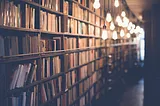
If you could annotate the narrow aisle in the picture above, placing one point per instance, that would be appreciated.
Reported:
(133, 95)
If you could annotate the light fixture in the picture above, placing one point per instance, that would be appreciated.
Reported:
(119, 20)
(96, 4)
(125, 22)
(123, 14)
(116, 3)
(108, 17)
(122, 33)
(104, 33)
(112, 27)
(129, 26)
(114, 36)
(128, 35)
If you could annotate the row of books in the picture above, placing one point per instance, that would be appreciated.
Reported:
(10, 13)
(23, 74)
(71, 78)
(30, 17)
(50, 89)
(50, 66)
(13, 45)
(77, 27)
(50, 22)
(50, 44)
(51, 4)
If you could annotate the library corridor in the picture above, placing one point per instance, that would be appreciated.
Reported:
(79, 53)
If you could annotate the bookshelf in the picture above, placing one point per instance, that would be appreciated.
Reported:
(52, 55)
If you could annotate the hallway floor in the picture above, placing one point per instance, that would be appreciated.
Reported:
(133, 95)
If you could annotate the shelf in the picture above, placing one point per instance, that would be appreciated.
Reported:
(32, 56)
(9, 28)
(87, 22)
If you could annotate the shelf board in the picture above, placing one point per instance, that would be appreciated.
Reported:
(87, 22)
(10, 28)
(31, 56)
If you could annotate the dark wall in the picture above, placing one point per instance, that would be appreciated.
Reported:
(152, 57)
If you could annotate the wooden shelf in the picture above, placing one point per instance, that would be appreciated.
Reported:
(32, 56)
(9, 28)
(87, 22)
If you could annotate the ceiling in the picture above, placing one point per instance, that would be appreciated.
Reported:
(138, 6)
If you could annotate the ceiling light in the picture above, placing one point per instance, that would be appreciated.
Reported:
(108, 17)
(123, 14)
(114, 36)
(104, 33)
(122, 33)
(96, 4)
(112, 27)
(116, 3)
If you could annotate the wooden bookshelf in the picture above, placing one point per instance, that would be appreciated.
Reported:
(51, 55)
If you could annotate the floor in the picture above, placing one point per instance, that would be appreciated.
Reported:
(133, 95)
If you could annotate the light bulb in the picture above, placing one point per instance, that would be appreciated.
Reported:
(116, 3)
(104, 33)
(131, 31)
(122, 33)
(138, 29)
(108, 17)
(112, 27)
(123, 14)
(129, 26)
(118, 18)
(125, 21)
(128, 35)
(114, 36)
(96, 4)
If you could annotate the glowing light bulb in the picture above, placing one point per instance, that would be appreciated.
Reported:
(131, 31)
(128, 35)
(96, 4)
(112, 27)
(138, 29)
(122, 33)
(108, 17)
(129, 26)
(125, 21)
(123, 14)
(116, 3)
(114, 36)
(118, 19)
(104, 33)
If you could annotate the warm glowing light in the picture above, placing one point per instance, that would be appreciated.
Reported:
(108, 17)
(96, 4)
(112, 27)
(131, 31)
(128, 35)
(123, 14)
(104, 33)
(125, 22)
(129, 26)
(114, 36)
(122, 33)
(116, 3)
